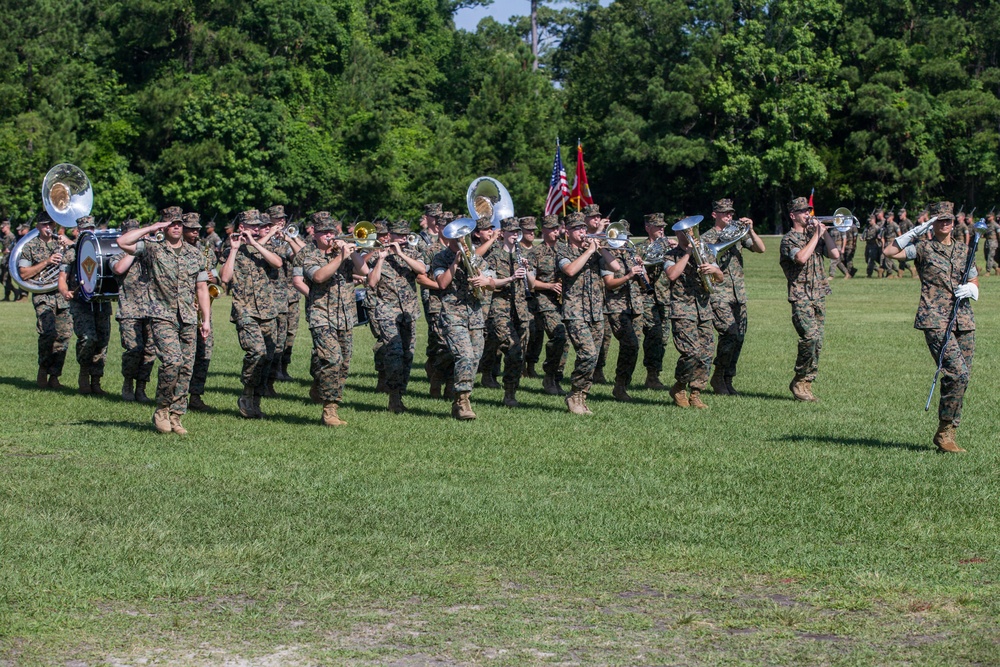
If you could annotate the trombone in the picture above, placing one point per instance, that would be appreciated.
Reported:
(842, 219)
(614, 237)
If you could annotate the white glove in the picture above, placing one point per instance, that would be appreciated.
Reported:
(906, 239)
(967, 291)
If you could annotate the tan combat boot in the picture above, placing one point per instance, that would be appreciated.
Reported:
(913, 272)
(510, 395)
(140, 392)
(330, 417)
(574, 401)
(800, 391)
(83, 381)
(945, 438)
(128, 391)
(679, 395)
(653, 381)
(719, 385)
(95, 386)
(808, 386)
(695, 400)
(196, 403)
(161, 420)
(176, 426)
(620, 392)
(396, 406)
(461, 409)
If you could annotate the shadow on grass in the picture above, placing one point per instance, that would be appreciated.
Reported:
(144, 426)
(852, 442)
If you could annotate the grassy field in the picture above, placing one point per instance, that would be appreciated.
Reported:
(763, 531)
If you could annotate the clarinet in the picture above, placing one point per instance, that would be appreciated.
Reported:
(521, 262)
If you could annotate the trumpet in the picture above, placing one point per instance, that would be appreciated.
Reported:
(290, 231)
(614, 237)
(842, 219)
(159, 237)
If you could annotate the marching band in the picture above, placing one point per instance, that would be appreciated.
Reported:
(492, 298)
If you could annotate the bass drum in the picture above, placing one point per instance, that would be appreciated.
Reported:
(94, 251)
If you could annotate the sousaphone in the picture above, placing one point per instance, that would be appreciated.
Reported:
(487, 197)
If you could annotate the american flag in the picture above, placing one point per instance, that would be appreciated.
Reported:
(558, 189)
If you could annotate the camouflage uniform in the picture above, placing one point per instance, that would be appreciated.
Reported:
(508, 325)
(889, 231)
(656, 315)
(691, 318)
(873, 248)
(838, 239)
(283, 290)
(53, 321)
(91, 322)
(583, 313)
(904, 226)
(548, 311)
(623, 309)
(850, 246)
(173, 312)
(461, 321)
(940, 268)
(729, 304)
(258, 291)
(439, 360)
(807, 290)
(138, 351)
(204, 346)
(990, 239)
(393, 314)
(331, 314)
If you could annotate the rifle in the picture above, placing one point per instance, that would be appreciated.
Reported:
(970, 261)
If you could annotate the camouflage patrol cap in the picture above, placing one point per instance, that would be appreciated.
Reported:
(990, 216)
(23, 227)
(798, 204)
(655, 220)
(590, 210)
(250, 218)
(86, 222)
(381, 228)
(319, 218)
(551, 222)
(723, 206)
(276, 212)
(575, 220)
(447, 216)
(528, 223)
(323, 224)
(510, 225)
(265, 219)
(400, 226)
(171, 214)
(44, 219)
(130, 224)
(901, 210)
(943, 210)
(433, 210)
(484, 223)
(192, 220)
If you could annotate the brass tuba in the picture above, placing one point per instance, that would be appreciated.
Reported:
(67, 196)
(487, 197)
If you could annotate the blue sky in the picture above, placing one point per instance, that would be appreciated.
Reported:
(501, 10)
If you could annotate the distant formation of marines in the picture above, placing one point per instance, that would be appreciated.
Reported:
(492, 306)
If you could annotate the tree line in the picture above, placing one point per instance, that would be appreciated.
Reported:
(370, 109)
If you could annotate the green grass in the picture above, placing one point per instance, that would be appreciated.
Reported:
(761, 531)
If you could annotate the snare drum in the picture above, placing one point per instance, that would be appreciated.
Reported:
(359, 300)
(94, 251)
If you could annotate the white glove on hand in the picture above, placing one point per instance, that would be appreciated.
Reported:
(967, 291)
(906, 239)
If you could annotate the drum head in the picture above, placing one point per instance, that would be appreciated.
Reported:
(88, 262)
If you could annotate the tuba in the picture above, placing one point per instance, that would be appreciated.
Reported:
(487, 197)
(462, 229)
(67, 196)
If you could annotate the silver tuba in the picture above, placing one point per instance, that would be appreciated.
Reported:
(487, 197)
(67, 196)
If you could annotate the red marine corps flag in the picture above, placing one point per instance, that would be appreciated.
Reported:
(580, 196)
